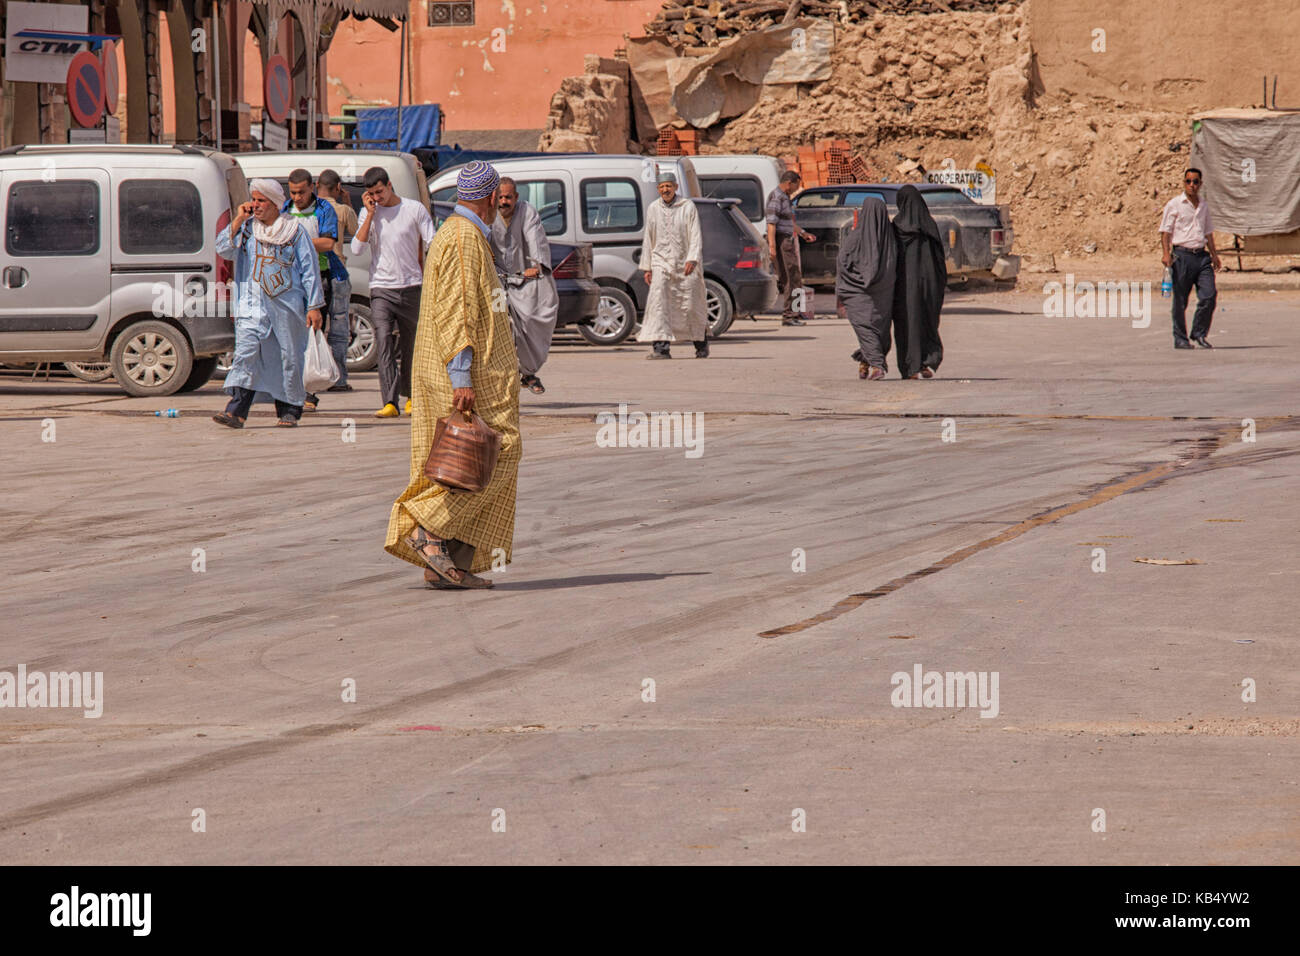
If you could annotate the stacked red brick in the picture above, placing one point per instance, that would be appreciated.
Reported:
(678, 142)
(829, 162)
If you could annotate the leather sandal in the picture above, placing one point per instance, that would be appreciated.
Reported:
(440, 561)
(468, 582)
(230, 421)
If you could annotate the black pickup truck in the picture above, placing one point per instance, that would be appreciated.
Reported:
(977, 239)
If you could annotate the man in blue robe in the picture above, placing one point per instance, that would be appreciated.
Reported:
(278, 297)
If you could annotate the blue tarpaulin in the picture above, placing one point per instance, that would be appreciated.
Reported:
(421, 125)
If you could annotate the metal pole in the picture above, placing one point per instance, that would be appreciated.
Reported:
(401, 77)
(216, 60)
(313, 47)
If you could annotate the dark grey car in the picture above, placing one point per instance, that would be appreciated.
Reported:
(737, 274)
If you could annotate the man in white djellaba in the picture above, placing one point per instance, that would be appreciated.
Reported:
(523, 257)
(671, 257)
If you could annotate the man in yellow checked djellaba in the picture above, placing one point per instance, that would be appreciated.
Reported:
(464, 359)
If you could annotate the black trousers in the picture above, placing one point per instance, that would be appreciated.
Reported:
(395, 311)
(1193, 269)
(789, 275)
(241, 403)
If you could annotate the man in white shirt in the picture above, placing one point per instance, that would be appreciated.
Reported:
(1187, 238)
(397, 231)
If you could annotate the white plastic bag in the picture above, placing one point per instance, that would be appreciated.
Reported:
(319, 371)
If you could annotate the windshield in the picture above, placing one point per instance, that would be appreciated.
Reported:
(815, 198)
(946, 197)
(745, 188)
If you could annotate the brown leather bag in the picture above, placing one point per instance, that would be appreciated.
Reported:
(464, 453)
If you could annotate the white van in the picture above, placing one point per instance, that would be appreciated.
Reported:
(92, 235)
(600, 199)
(405, 175)
(747, 177)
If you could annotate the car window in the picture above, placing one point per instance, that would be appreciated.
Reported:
(354, 192)
(745, 188)
(547, 197)
(739, 221)
(441, 212)
(236, 186)
(52, 219)
(854, 197)
(830, 197)
(159, 216)
(946, 197)
(610, 205)
(445, 194)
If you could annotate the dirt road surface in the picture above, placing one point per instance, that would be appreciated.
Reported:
(655, 680)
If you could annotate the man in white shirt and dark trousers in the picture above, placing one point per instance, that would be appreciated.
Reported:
(397, 231)
(1187, 238)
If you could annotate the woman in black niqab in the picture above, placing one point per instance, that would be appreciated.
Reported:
(919, 287)
(864, 285)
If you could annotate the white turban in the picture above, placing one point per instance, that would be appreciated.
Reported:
(284, 229)
(269, 188)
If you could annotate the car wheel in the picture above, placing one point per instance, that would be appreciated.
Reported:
(200, 373)
(151, 358)
(717, 302)
(363, 349)
(615, 318)
(224, 361)
(90, 371)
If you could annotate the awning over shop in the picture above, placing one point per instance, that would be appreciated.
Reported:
(386, 9)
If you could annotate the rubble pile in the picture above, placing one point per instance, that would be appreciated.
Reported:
(591, 113)
(1078, 173)
(1081, 174)
(707, 22)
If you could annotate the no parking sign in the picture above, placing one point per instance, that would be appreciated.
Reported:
(277, 88)
(86, 89)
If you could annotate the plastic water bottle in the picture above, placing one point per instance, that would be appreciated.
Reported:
(1167, 283)
(170, 413)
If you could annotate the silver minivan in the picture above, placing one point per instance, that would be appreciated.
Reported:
(600, 199)
(405, 175)
(99, 242)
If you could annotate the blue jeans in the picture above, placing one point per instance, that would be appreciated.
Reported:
(340, 331)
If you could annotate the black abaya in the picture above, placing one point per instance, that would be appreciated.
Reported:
(922, 278)
(864, 281)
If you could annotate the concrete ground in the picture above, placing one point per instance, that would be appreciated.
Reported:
(515, 726)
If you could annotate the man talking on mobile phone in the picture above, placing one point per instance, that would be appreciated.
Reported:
(278, 298)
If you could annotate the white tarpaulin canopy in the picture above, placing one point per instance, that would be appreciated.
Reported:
(1251, 162)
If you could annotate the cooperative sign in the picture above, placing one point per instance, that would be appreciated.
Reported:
(978, 183)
